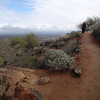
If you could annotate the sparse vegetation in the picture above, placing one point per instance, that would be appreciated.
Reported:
(25, 59)
(70, 49)
(74, 34)
(24, 52)
(27, 42)
(34, 61)
(96, 31)
(58, 60)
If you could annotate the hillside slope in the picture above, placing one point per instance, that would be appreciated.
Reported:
(66, 87)
(63, 86)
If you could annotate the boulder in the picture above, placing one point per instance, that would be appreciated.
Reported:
(8, 80)
(43, 81)
(29, 94)
(77, 71)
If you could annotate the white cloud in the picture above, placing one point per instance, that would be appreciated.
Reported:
(51, 14)
(7, 16)
(60, 12)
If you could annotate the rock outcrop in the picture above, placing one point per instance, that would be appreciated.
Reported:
(26, 94)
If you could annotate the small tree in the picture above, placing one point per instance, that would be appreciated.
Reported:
(17, 41)
(91, 22)
(29, 41)
(96, 32)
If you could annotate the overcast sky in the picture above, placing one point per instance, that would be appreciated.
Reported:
(45, 14)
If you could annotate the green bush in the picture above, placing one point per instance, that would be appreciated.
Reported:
(58, 60)
(70, 48)
(17, 41)
(74, 34)
(31, 41)
(91, 23)
(35, 62)
(1, 61)
(96, 31)
(28, 42)
(28, 61)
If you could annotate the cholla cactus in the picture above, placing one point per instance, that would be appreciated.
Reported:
(58, 60)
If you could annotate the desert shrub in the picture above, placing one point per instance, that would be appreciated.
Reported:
(27, 42)
(17, 56)
(5, 49)
(31, 41)
(1, 61)
(25, 59)
(70, 48)
(74, 34)
(91, 23)
(96, 31)
(35, 62)
(58, 60)
(18, 41)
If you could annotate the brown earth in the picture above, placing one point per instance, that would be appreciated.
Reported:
(63, 85)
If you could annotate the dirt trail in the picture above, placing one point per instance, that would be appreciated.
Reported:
(90, 61)
(66, 87)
